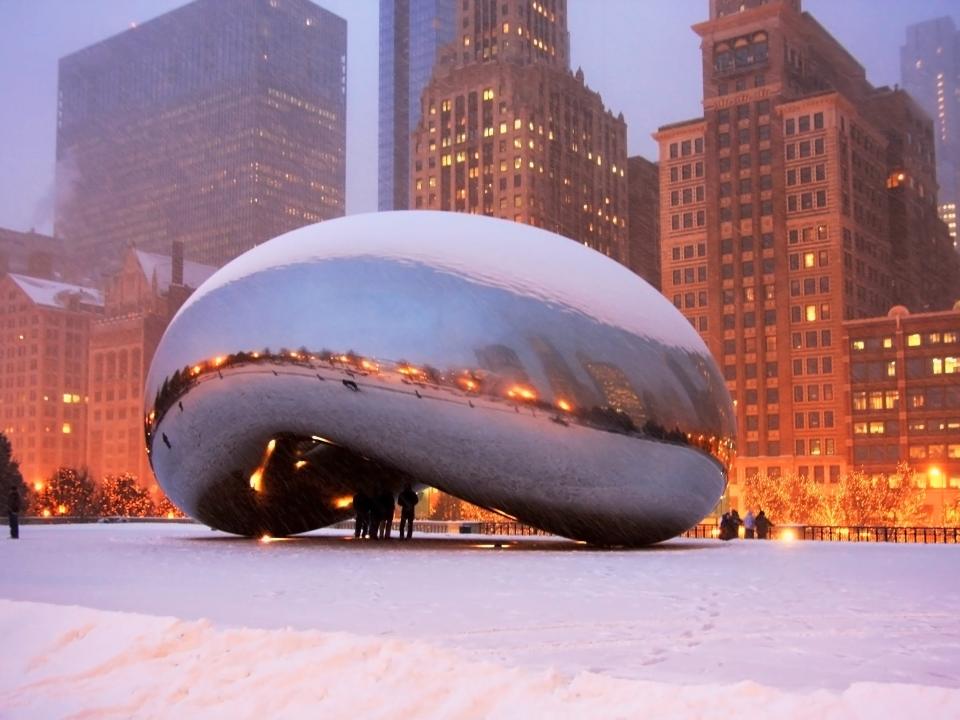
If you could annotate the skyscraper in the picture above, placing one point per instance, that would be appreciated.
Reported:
(220, 124)
(507, 130)
(930, 72)
(803, 197)
(411, 34)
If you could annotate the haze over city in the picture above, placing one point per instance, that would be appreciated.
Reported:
(641, 55)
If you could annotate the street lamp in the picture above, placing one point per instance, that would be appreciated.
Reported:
(935, 480)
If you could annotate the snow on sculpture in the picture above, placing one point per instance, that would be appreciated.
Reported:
(500, 363)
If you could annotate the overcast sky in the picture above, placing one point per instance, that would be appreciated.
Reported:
(639, 54)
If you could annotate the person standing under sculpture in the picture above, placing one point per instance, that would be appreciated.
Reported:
(13, 512)
(749, 525)
(408, 501)
(387, 506)
(361, 506)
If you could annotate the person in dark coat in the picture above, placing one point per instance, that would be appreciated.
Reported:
(387, 505)
(763, 525)
(735, 523)
(361, 506)
(725, 526)
(408, 500)
(13, 512)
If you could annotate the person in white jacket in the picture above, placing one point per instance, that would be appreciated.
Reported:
(749, 525)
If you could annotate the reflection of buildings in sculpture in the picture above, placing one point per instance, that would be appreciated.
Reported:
(140, 300)
(804, 196)
(220, 124)
(30, 253)
(616, 389)
(411, 33)
(560, 377)
(44, 336)
(507, 130)
(504, 365)
(905, 400)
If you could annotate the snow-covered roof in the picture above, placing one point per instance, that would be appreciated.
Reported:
(161, 266)
(51, 293)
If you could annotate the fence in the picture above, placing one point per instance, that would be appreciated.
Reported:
(826, 533)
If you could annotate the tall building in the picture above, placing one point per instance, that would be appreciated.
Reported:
(44, 339)
(220, 125)
(643, 219)
(140, 301)
(411, 35)
(930, 72)
(905, 398)
(802, 198)
(507, 130)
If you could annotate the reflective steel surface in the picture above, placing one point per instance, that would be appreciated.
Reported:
(500, 363)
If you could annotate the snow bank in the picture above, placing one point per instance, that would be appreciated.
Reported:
(78, 662)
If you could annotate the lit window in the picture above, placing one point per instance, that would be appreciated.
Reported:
(67, 428)
(811, 313)
(517, 124)
(887, 343)
(809, 260)
(913, 340)
(892, 368)
(858, 345)
(876, 428)
(488, 94)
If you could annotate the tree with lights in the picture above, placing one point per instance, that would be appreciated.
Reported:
(122, 496)
(67, 492)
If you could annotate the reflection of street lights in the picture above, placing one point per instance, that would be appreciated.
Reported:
(935, 480)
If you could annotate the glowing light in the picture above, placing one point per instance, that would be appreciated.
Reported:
(522, 392)
(196, 370)
(343, 502)
(270, 446)
(38, 486)
(255, 355)
(256, 480)
(218, 361)
(788, 535)
(564, 405)
(323, 440)
(265, 538)
(299, 464)
(367, 365)
(170, 515)
(62, 509)
(46, 512)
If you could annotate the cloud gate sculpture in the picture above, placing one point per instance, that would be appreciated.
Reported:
(500, 363)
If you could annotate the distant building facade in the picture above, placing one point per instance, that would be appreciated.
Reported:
(44, 342)
(140, 301)
(506, 129)
(905, 400)
(411, 35)
(220, 124)
(30, 253)
(643, 219)
(930, 72)
(804, 197)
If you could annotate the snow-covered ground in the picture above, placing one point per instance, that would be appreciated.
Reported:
(178, 621)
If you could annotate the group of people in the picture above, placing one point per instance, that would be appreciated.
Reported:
(753, 525)
(374, 514)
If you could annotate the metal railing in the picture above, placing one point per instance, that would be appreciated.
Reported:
(830, 533)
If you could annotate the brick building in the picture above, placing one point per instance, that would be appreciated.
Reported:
(643, 219)
(44, 339)
(905, 399)
(507, 130)
(802, 198)
(140, 301)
